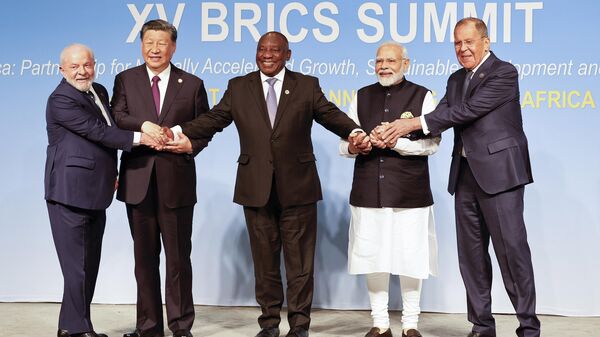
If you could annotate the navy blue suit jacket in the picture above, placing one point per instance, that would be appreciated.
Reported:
(81, 161)
(488, 124)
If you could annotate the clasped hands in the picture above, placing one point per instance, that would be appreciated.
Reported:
(162, 139)
(385, 135)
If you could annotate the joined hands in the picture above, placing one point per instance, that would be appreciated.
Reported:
(162, 139)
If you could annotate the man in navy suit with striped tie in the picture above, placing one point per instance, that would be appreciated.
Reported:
(80, 177)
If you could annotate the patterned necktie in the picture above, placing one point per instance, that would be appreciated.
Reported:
(271, 100)
(156, 94)
(466, 84)
(98, 104)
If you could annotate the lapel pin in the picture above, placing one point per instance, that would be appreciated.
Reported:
(180, 80)
(481, 75)
(287, 92)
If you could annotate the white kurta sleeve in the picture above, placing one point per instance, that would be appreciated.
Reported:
(421, 147)
(353, 114)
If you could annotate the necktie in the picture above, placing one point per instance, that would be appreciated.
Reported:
(156, 94)
(271, 100)
(466, 84)
(98, 103)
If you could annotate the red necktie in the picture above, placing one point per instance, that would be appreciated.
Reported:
(156, 94)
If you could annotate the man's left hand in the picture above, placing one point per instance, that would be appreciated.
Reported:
(182, 144)
(398, 128)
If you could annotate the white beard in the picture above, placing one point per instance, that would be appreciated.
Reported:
(390, 80)
(80, 86)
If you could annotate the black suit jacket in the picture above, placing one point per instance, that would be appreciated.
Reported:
(283, 152)
(81, 158)
(133, 104)
(488, 124)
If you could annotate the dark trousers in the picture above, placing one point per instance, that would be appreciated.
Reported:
(294, 229)
(150, 221)
(77, 237)
(479, 217)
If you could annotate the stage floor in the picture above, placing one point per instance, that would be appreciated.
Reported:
(40, 320)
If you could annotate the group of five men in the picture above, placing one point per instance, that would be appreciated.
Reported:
(159, 117)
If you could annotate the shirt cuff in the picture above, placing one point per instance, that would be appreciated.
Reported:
(424, 125)
(137, 136)
(356, 130)
(176, 131)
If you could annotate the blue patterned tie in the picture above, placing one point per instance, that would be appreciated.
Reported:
(272, 100)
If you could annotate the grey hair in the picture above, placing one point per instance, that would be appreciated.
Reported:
(394, 44)
(63, 53)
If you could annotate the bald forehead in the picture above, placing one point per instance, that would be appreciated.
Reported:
(79, 50)
(274, 37)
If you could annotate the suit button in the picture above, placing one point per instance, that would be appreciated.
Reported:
(388, 94)
(386, 110)
(381, 160)
(381, 176)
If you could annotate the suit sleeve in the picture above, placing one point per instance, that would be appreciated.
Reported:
(68, 113)
(500, 88)
(201, 108)
(120, 110)
(207, 124)
(329, 115)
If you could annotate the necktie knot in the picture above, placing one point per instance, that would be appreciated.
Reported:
(271, 81)
(155, 80)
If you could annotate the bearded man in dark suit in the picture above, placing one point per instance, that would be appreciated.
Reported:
(79, 182)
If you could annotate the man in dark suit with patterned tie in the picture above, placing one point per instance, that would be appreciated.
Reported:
(277, 181)
(159, 188)
(490, 168)
(80, 177)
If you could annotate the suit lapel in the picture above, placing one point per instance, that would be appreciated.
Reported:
(287, 90)
(145, 94)
(481, 73)
(104, 101)
(175, 84)
(256, 88)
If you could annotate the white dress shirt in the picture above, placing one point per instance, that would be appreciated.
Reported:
(162, 84)
(277, 86)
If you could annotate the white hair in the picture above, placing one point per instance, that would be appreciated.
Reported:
(63, 53)
(394, 44)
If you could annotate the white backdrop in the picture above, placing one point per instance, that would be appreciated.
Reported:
(335, 41)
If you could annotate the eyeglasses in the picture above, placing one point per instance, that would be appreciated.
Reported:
(468, 43)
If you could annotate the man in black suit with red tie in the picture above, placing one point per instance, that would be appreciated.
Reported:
(79, 182)
(159, 188)
(490, 168)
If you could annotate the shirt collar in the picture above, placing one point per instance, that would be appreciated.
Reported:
(279, 76)
(164, 75)
(485, 57)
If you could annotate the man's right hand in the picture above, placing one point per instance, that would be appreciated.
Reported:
(155, 132)
(359, 142)
(145, 139)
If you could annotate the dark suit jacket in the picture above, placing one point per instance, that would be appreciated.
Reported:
(488, 124)
(285, 151)
(81, 160)
(132, 104)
